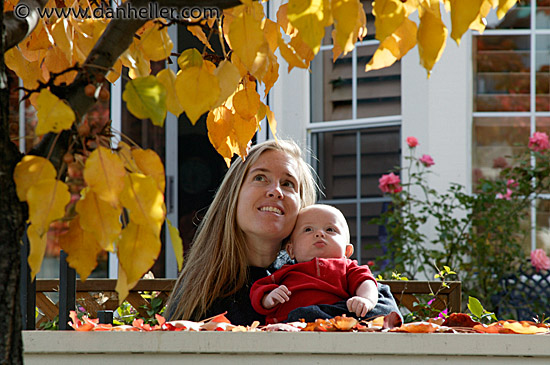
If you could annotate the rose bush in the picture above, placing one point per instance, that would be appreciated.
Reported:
(482, 236)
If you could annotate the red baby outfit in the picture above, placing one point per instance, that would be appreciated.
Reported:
(319, 281)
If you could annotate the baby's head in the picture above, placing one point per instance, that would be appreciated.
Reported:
(320, 231)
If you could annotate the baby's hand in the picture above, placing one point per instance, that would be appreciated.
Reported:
(360, 306)
(276, 296)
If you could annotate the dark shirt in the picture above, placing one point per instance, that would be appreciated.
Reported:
(238, 306)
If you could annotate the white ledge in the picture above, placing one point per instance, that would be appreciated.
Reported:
(59, 347)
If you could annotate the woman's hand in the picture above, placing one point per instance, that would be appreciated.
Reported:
(276, 296)
(360, 306)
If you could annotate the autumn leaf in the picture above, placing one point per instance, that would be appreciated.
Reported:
(463, 14)
(290, 56)
(53, 114)
(219, 124)
(30, 170)
(47, 200)
(144, 201)
(99, 219)
(197, 91)
(394, 47)
(81, 248)
(167, 77)
(122, 285)
(432, 37)
(104, 173)
(271, 120)
(137, 250)
(156, 43)
(124, 152)
(150, 164)
(346, 31)
(310, 17)
(37, 249)
(504, 6)
(145, 97)
(190, 58)
(389, 14)
(524, 327)
(229, 77)
(197, 31)
(246, 35)
(61, 32)
(28, 71)
(177, 244)
(246, 101)
(135, 60)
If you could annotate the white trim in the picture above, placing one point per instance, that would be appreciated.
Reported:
(22, 119)
(338, 125)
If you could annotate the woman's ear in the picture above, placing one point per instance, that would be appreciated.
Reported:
(349, 250)
(290, 249)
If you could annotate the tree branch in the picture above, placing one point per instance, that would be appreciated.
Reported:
(18, 29)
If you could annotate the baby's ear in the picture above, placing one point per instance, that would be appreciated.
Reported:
(290, 249)
(349, 250)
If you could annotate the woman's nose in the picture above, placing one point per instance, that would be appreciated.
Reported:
(275, 191)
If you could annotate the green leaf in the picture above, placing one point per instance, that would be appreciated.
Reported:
(145, 97)
(474, 305)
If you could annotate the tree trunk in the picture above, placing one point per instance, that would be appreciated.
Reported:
(12, 219)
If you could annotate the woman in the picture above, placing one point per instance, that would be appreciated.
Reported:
(239, 238)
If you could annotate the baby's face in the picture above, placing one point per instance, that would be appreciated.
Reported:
(320, 231)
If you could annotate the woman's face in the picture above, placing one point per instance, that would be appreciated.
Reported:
(269, 200)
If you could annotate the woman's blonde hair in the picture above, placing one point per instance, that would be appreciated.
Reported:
(216, 264)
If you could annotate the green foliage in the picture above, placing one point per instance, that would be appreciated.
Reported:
(478, 313)
(481, 235)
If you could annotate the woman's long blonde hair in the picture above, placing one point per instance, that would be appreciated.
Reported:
(216, 264)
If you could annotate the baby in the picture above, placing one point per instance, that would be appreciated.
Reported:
(323, 274)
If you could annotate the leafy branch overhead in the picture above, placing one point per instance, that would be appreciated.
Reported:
(67, 63)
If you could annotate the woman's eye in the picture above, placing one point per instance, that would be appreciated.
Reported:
(259, 178)
(289, 184)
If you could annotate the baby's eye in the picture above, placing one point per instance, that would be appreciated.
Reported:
(330, 229)
(308, 229)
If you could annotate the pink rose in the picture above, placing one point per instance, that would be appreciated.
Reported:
(539, 260)
(506, 196)
(412, 142)
(390, 183)
(511, 183)
(427, 160)
(539, 142)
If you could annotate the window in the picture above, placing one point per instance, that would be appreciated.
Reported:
(355, 134)
(511, 93)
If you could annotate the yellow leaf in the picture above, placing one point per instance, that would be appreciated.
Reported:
(124, 151)
(197, 90)
(271, 120)
(62, 33)
(100, 219)
(53, 114)
(150, 164)
(29, 72)
(30, 170)
(303, 51)
(247, 101)
(310, 17)
(177, 243)
(229, 77)
(246, 35)
(271, 33)
(393, 48)
(272, 74)
(167, 77)
(156, 43)
(346, 31)
(104, 173)
(463, 14)
(431, 37)
(47, 200)
(138, 248)
(479, 23)
(81, 248)
(290, 56)
(504, 6)
(115, 72)
(197, 31)
(122, 285)
(389, 16)
(56, 61)
(244, 130)
(145, 97)
(219, 124)
(190, 58)
(144, 201)
(134, 59)
(37, 243)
